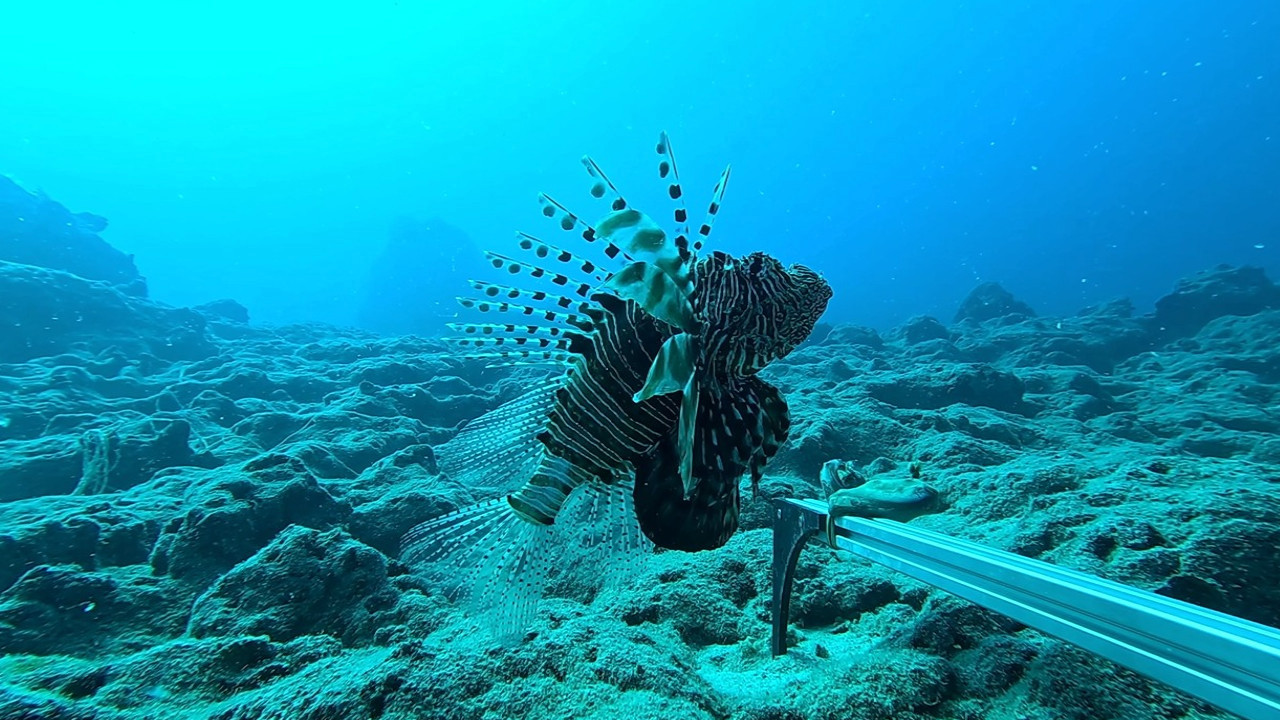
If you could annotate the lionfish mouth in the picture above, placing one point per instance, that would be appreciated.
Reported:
(658, 412)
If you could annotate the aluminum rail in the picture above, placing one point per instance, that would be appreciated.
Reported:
(1221, 659)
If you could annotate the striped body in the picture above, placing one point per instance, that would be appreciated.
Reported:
(744, 311)
(594, 425)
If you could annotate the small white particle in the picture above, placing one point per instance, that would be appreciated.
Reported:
(1259, 246)
(1035, 167)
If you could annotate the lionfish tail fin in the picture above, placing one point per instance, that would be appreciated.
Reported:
(488, 558)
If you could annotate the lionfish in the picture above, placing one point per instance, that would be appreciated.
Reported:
(659, 411)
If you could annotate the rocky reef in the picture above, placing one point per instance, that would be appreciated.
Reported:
(36, 230)
(199, 517)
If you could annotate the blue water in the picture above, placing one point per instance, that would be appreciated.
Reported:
(1074, 152)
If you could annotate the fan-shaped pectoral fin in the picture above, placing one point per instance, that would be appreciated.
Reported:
(651, 288)
(688, 422)
(671, 370)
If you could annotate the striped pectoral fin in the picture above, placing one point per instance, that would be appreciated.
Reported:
(772, 428)
(516, 267)
(489, 557)
(517, 358)
(654, 290)
(671, 370)
(685, 436)
(540, 499)
(643, 239)
(500, 449)
(510, 331)
(497, 294)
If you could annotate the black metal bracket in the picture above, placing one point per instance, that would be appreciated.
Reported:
(793, 524)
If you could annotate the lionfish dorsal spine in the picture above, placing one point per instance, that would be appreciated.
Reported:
(575, 286)
(509, 330)
(541, 314)
(548, 254)
(603, 188)
(713, 209)
(550, 321)
(498, 293)
(567, 221)
(668, 172)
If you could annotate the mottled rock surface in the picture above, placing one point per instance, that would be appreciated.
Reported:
(199, 518)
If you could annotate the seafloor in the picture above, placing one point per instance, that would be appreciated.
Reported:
(199, 517)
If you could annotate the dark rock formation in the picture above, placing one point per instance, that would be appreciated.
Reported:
(936, 387)
(853, 335)
(46, 312)
(921, 329)
(304, 582)
(989, 301)
(225, 310)
(35, 230)
(233, 516)
(1225, 290)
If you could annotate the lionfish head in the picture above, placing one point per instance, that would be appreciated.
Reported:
(754, 310)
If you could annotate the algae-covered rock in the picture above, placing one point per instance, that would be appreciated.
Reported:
(238, 560)
(304, 582)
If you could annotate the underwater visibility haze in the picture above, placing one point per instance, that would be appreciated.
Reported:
(442, 360)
